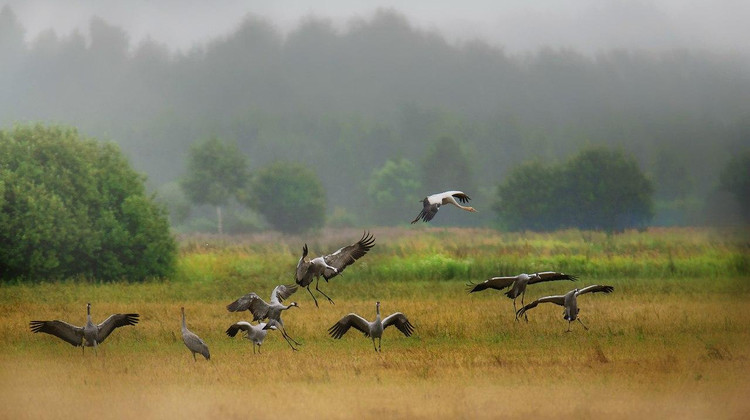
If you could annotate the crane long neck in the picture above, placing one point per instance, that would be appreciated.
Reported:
(88, 313)
(183, 319)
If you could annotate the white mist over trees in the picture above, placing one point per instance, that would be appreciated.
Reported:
(346, 101)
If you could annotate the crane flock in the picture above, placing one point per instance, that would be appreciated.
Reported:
(329, 266)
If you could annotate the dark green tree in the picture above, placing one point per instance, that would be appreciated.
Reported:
(216, 172)
(289, 195)
(72, 207)
(524, 198)
(597, 189)
(735, 179)
(605, 190)
(393, 191)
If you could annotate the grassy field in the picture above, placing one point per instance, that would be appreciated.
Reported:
(672, 341)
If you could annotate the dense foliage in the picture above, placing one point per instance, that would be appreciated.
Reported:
(290, 197)
(71, 206)
(347, 99)
(597, 189)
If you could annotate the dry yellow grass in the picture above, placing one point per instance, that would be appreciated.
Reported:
(668, 355)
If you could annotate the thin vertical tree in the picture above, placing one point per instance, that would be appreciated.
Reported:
(216, 171)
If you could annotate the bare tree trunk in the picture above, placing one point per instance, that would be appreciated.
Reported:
(219, 220)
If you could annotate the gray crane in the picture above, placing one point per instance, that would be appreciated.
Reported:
(194, 343)
(372, 329)
(254, 333)
(330, 265)
(431, 204)
(271, 311)
(518, 284)
(89, 335)
(568, 301)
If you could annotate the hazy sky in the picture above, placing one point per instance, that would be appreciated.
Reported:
(518, 25)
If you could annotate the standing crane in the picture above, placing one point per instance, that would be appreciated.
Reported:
(330, 265)
(194, 343)
(518, 284)
(372, 329)
(431, 204)
(254, 333)
(90, 335)
(569, 302)
(271, 311)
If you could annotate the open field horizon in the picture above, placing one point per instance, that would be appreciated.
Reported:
(664, 344)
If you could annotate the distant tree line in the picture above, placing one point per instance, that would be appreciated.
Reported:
(345, 102)
(73, 207)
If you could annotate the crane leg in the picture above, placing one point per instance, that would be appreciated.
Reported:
(526, 317)
(194, 357)
(514, 308)
(373, 344)
(313, 296)
(287, 338)
(380, 339)
(283, 332)
(321, 292)
(584, 325)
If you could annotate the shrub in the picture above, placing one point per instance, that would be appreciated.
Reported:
(74, 207)
(290, 196)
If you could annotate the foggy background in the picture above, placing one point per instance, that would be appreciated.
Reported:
(347, 85)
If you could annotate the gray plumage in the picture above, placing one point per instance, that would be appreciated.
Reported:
(372, 329)
(518, 284)
(331, 265)
(194, 343)
(90, 335)
(271, 311)
(256, 334)
(431, 204)
(568, 301)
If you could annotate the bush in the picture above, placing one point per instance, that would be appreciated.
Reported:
(597, 189)
(290, 196)
(74, 207)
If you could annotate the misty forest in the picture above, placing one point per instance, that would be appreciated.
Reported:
(349, 104)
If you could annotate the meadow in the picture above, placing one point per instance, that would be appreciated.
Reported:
(672, 341)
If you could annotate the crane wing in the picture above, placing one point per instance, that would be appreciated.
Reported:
(558, 300)
(400, 321)
(429, 210)
(498, 283)
(303, 267)
(243, 303)
(348, 254)
(596, 288)
(250, 302)
(114, 321)
(459, 195)
(550, 276)
(237, 326)
(60, 329)
(352, 320)
(282, 292)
